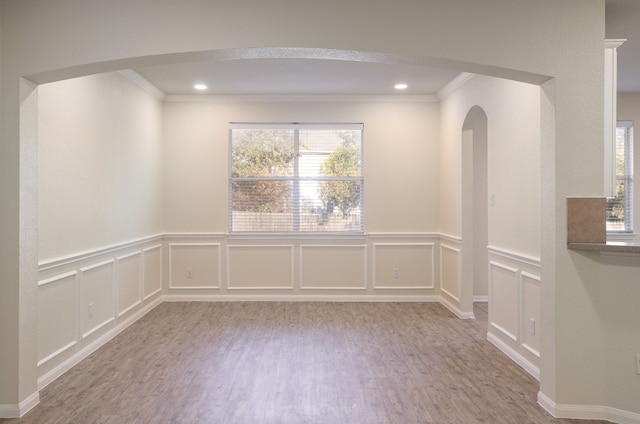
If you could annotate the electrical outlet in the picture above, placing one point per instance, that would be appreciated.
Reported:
(90, 310)
(396, 272)
(532, 326)
(638, 363)
(189, 273)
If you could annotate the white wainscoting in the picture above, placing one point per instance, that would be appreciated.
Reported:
(194, 266)
(404, 265)
(450, 271)
(514, 307)
(86, 299)
(253, 267)
(333, 267)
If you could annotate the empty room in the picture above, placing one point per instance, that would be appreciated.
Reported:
(328, 213)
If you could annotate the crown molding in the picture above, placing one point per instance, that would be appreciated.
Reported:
(302, 98)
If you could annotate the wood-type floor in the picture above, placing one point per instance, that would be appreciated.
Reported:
(295, 362)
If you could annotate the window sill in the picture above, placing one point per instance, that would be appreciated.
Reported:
(609, 246)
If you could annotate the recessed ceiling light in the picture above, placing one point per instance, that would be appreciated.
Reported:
(400, 86)
(200, 87)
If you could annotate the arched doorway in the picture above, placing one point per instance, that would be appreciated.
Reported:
(475, 204)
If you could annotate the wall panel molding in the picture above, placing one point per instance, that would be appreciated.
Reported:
(332, 266)
(404, 265)
(254, 277)
(202, 269)
(444, 278)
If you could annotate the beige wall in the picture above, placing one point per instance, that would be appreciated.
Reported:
(400, 156)
(528, 41)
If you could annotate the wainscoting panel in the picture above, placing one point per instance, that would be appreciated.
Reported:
(403, 265)
(152, 271)
(129, 277)
(531, 313)
(514, 307)
(194, 265)
(333, 267)
(503, 306)
(57, 315)
(97, 296)
(450, 271)
(260, 267)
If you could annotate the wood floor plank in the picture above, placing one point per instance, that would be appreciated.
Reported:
(295, 362)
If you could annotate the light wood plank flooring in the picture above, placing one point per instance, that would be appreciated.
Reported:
(271, 362)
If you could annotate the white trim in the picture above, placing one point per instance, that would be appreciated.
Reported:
(454, 84)
(169, 236)
(262, 246)
(403, 235)
(302, 98)
(57, 278)
(144, 270)
(152, 294)
(56, 353)
(66, 260)
(481, 299)
(591, 412)
(504, 331)
(525, 364)
(298, 298)
(296, 236)
(98, 327)
(364, 271)
(143, 83)
(433, 266)
(138, 303)
(596, 412)
(450, 238)
(459, 282)
(547, 404)
(514, 256)
(531, 350)
(455, 310)
(63, 367)
(17, 411)
(98, 265)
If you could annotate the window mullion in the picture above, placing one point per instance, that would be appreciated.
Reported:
(296, 180)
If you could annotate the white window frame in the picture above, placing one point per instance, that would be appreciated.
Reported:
(296, 179)
(627, 177)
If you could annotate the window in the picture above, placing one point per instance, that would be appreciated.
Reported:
(287, 178)
(620, 207)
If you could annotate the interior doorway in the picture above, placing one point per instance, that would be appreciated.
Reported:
(476, 201)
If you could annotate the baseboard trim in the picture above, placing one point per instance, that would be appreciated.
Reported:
(296, 298)
(455, 310)
(66, 365)
(17, 411)
(587, 412)
(514, 356)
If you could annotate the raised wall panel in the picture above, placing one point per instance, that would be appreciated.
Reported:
(503, 299)
(450, 271)
(194, 265)
(260, 267)
(129, 282)
(57, 316)
(531, 311)
(152, 271)
(333, 267)
(413, 262)
(97, 300)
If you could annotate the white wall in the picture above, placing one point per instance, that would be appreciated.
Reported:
(99, 164)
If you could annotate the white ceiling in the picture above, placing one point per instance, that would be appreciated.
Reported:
(338, 77)
(295, 77)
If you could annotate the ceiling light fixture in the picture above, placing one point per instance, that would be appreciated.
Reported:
(400, 86)
(200, 87)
